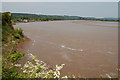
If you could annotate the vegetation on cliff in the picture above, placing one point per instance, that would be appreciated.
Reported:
(10, 55)
(10, 67)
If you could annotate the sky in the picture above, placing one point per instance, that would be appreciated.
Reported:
(60, 0)
(87, 9)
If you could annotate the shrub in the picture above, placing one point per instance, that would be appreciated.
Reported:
(16, 56)
(16, 35)
(41, 70)
(19, 31)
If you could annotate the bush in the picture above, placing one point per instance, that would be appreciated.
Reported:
(16, 35)
(8, 72)
(19, 31)
(40, 70)
(16, 56)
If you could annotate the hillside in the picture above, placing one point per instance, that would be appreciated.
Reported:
(10, 38)
(22, 16)
(19, 17)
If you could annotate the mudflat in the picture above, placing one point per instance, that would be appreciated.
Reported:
(87, 48)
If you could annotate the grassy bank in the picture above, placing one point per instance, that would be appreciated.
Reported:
(10, 67)
(10, 38)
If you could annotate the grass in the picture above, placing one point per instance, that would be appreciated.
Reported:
(10, 38)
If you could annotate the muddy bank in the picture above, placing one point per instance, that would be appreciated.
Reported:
(86, 50)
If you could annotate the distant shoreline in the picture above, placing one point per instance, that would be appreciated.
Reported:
(65, 20)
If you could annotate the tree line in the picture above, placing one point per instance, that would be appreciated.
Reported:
(20, 17)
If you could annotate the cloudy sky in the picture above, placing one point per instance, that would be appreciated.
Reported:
(94, 9)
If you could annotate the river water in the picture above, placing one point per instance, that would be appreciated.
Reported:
(86, 50)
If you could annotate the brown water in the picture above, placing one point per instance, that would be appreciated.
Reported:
(85, 49)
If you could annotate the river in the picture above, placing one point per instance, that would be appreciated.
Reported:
(87, 48)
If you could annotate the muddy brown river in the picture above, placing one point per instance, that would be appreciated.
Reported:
(87, 48)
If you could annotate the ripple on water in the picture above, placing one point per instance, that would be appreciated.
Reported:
(73, 49)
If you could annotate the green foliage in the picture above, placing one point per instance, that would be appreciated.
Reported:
(19, 17)
(16, 35)
(39, 69)
(8, 72)
(16, 56)
(10, 38)
(19, 31)
(7, 19)
(11, 73)
(8, 69)
(7, 29)
(6, 32)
